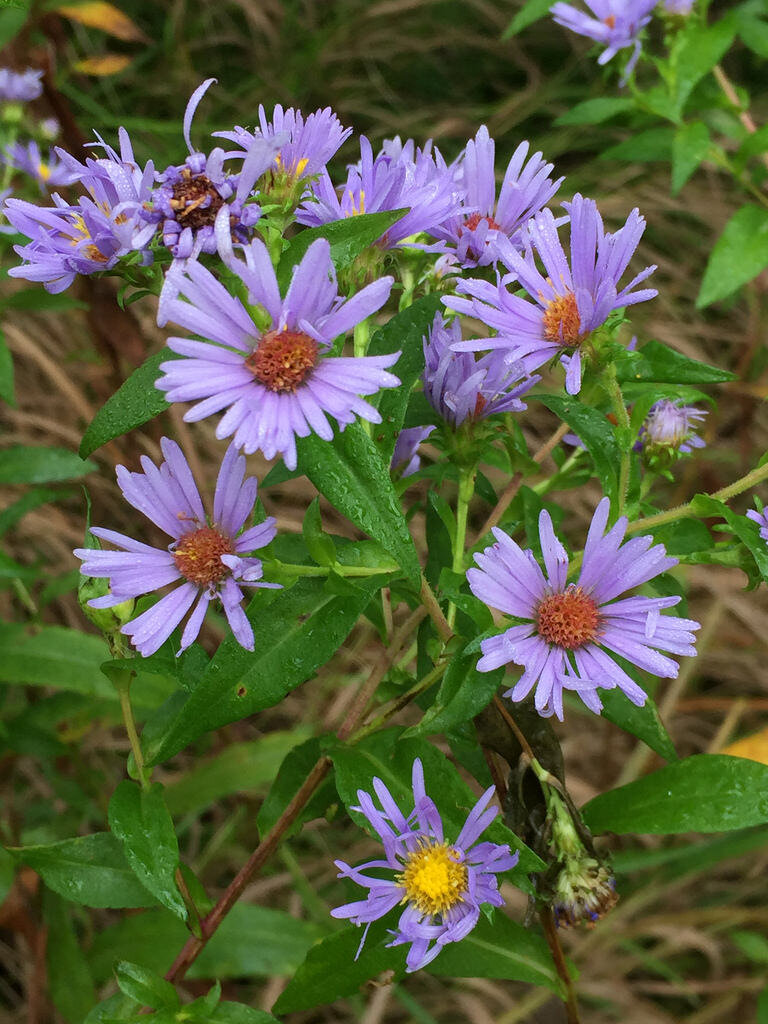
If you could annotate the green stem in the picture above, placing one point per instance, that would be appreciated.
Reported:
(611, 384)
(400, 702)
(756, 476)
(466, 490)
(361, 337)
(287, 569)
(130, 728)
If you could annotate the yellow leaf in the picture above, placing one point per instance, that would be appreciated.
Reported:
(104, 16)
(107, 64)
(754, 747)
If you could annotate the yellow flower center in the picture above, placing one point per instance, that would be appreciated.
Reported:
(44, 171)
(81, 232)
(562, 322)
(359, 208)
(295, 170)
(434, 878)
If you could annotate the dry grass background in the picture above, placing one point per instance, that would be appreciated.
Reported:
(425, 68)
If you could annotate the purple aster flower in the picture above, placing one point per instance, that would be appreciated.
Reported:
(680, 7)
(47, 172)
(670, 428)
(405, 458)
(761, 518)
(310, 142)
(400, 176)
(20, 86)
(525, 190)
(209, 555)
(570, 630)
(568, 303)
(277, 380)
(616, 24)
(459, 387)
(202, 206)
(442, 883)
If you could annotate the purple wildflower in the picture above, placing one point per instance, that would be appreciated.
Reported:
(20, 86)
(48, 172)
(400, 176)
(405, 458)
(202, 206)
(616, 24)
(670, 428)
(443, 884)
(209, 555)
(569, 302)
(525, 190)
(679, 7)
(761, 518)
(276, 380)
(310, 142)
(571, 628)
(459, 387)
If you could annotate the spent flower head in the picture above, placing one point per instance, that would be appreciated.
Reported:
(668, 431)
(442, 883)
(570, 633)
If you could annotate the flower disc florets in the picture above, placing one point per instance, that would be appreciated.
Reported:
(283, 359)
(434, 878)
(198, 555)
(569, 619)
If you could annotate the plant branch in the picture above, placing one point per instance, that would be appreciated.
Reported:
(733, 98)
(553, 941)
(434, 611)
(466, 490)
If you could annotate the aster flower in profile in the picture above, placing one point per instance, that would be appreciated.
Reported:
(567, 303)
(310, 142)
(405, 458)
(201, 205)
(669, 430)
(208, 555)
(276, 379)
(400, 176)
(47, 171)
(20, 86)
(615, 23)
(461, 388)
(525, 190)
(441, 882)
(570, 631)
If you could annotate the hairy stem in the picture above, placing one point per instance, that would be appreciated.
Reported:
(466, 490)
(288, 569)
(130, 727)
(434, 611)
(613, 389)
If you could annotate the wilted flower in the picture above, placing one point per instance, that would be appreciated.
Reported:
(442, 883)
(47, 172)
(569, 302)
(459, 387)
(405, 459)
(277, 380)
(20, 86)
(400, 176)
(616, 24)
(572, 629)
(525, 190)
(668, 430)
(209, 555)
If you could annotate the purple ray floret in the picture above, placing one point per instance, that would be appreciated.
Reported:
(761, 518)
(400, 176)
(209, 555)
(616, 24)
(277, 381)
(405, 457)
(46, 171)
(573, 629)
(442, 883)
(568, 301)
(525, 190)
(20, 86)
(460, 387)
(310, 143)
(671, 426)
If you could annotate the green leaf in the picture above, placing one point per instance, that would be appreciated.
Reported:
(595, 432)
(238, 1013)
(352, 476)
(644, 722)
(28, 465)
(90, 869)
(658, 363)
(745, 529)
(12, 20)
(347, 237)
(739, 255)
(70, 984)
(688, 150)
(754, 34)
(703, 793)
(595, 111)
(692, 858)
(140, 820)
(319, 545)
(404, 333)
(702, 48)
(146, 987)
(251, 942)
(752, 944)
(649, 146)
(463, 693)
(6, 372)
(295, 632)
(531, 11)
(136, 401)
(762, 1007)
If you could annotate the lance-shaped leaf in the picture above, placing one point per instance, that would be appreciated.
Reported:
(595, 432)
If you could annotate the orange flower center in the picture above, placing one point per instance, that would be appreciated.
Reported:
(198, 555)
(610, 21)
(471, 223)
(189, 195)
(562, 322)
(283, 359)
(568, 620)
